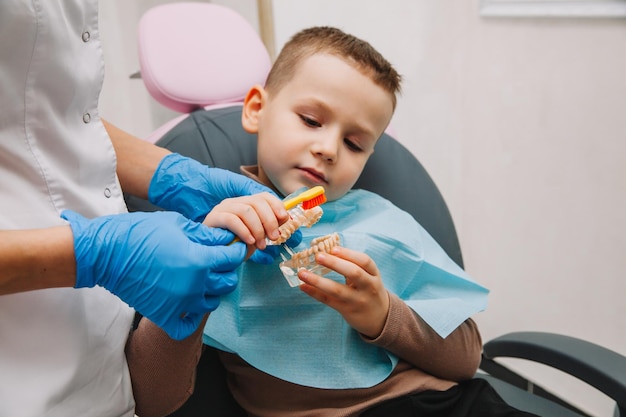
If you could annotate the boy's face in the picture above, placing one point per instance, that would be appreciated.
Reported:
(319, 128)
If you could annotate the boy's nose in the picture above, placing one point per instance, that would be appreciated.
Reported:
(326, 148)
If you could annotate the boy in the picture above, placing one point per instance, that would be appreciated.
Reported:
(350, 341)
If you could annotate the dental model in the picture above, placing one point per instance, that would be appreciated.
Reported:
(304, 210)
(306, 259)
(299, 218)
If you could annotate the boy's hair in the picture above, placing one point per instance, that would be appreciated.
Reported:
(333, 41)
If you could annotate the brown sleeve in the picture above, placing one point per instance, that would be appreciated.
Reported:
(162, 370)
(406, 335)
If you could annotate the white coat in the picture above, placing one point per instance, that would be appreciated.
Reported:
(61, 350)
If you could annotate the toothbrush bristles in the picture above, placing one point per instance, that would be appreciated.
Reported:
(314, 202)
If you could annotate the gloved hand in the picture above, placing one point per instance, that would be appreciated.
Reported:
(170, 269)
(185, 185)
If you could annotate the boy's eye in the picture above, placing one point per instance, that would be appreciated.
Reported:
(310, 122)
(352, 146)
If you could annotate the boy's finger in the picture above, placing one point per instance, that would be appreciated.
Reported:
(359, 258)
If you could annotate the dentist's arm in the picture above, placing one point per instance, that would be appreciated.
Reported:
(178, 183)
(36, 259)
(137, 160)
(44, 258)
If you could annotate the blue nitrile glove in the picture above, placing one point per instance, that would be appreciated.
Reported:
(170, 269)
(185, 185)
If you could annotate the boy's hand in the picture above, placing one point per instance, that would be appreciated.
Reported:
(363, 300)
(251, 218)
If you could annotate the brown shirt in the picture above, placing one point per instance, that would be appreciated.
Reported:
(427, 362)
(162, 369)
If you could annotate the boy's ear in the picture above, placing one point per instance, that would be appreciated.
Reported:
(252, 105)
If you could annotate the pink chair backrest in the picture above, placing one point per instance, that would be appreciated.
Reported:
(198, 55)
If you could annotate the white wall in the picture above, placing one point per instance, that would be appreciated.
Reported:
(521, 124)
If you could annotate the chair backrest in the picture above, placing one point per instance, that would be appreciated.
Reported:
(198, 55)
(216, 138)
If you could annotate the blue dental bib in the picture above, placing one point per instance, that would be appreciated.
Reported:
(285, 333)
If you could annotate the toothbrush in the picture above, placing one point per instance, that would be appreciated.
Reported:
(306, 200)
(310, 198)
(297, 205)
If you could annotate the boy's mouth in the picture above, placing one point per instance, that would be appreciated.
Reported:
(314, 175)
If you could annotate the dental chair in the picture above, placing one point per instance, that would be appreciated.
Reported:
(203, 69)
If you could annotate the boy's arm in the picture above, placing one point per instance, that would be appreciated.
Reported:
(162, 370)
(406, 335)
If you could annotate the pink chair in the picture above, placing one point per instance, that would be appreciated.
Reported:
(198, 55)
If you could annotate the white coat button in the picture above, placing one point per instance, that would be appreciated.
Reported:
(86, 36)
(107, 193)
(86, 117)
